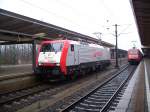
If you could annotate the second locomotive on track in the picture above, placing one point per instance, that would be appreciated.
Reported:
(134, 56)
(67, 58)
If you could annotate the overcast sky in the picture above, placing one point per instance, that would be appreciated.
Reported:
(83, 16)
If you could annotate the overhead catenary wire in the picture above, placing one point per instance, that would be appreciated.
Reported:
(62, 17)
(49, 12)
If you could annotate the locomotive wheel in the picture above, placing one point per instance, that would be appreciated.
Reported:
(73, 76)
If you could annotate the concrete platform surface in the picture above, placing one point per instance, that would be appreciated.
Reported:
(15, 69)
(134, 99)
(147, 83)
(137, 95)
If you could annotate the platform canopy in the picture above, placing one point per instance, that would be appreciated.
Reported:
(14, 27)
(141, 9)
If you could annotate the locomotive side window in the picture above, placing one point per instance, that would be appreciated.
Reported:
(52, 47)
(72, 47)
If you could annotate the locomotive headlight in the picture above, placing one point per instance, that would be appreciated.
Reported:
(57, 64)
(40, 63)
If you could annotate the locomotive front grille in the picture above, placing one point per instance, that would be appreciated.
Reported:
(49, 70)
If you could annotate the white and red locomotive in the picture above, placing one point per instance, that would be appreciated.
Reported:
(63, 58)
(134, 56)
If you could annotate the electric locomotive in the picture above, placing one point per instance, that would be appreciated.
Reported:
(134, 56)
(67, 58)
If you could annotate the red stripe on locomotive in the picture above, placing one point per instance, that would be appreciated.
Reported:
(63, 58)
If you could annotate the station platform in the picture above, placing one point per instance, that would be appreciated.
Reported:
(15, 69)
(15, 77)
(147, 83)
(137, 94)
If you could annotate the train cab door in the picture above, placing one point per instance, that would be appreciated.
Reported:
(76, 55)
(73, 57)
(70, 58)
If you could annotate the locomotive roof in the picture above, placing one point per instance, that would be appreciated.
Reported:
(134, 49)
(73, 42)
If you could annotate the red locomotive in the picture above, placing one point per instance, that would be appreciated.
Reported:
(134, 56)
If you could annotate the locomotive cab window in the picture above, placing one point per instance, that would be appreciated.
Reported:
(72, 47)
(52, 47)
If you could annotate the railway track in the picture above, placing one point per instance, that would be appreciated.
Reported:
(105, 97)
(19, 99)
(15, 95)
